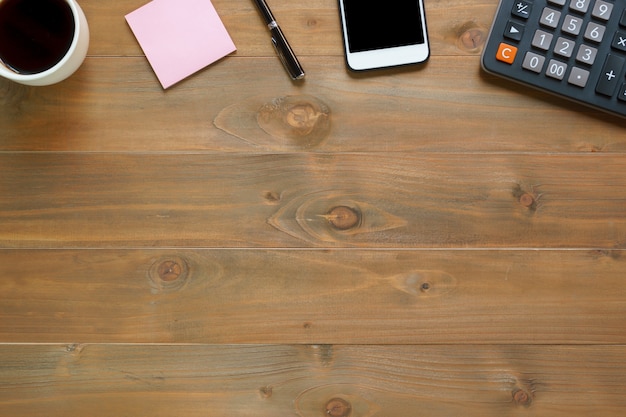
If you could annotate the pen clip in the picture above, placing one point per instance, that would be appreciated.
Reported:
(286, 55)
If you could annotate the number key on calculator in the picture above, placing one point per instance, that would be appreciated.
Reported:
(572, 48)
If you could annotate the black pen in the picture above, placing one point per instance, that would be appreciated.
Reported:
(280, 43)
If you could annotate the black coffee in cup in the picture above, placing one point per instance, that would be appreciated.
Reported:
(34, 34)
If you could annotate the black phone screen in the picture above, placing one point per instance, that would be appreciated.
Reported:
(378, 24)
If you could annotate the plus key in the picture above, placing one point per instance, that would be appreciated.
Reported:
(610, 77)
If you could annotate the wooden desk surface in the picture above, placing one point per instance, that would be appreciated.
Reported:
(414, 242)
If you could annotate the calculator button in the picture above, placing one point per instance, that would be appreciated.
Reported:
(564, 47)
(622, 93)
(506, 53)
(602, 10)
(533, 62)
(578, 77)
(619, 41)
(622, 21)
(610, 75)
(522, 9)
(556, 69)
(542, 40)
(558, 2)
(514, 31)
(579, 5)
(572, 25)
(594, 32)
(586, 54)
(550, 18)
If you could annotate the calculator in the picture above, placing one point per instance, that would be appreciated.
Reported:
(572, 48)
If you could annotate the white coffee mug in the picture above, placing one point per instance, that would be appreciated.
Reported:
(67, 64)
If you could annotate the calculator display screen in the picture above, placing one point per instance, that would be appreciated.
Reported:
(372, 25)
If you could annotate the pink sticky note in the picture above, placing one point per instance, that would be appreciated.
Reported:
(179, 37)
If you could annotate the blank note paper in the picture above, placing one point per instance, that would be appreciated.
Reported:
(179, 37)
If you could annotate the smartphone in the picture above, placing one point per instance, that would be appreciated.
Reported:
(380, 34)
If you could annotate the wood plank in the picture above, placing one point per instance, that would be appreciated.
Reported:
(304, 296)
(332, 111)
(61, 200)
(312, 26)
(200, 380)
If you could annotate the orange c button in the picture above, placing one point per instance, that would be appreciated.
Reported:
(506, 53)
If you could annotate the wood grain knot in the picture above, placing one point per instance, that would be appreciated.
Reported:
(332, 217)
(527, 197)
(344, 218)
(272, 197)
(266, 392)
(471, 37)
(527, 200)
(169, 270)
(425, 284)
(302, 120)
(74, 348)
(168, 273)
(521, 397)
(338, 407)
